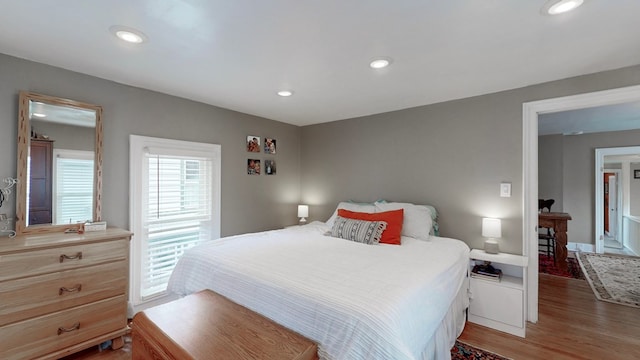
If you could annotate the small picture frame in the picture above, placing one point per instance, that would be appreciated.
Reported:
(253, 166)
(253, 143)
(636, 174)
(270, 167)
(269, 145)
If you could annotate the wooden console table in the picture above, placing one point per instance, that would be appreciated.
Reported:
(558, 222)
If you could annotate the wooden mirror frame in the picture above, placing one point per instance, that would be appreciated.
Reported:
(24, 138)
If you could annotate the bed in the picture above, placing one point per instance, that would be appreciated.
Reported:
(356, 301)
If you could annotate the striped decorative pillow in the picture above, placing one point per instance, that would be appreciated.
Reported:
(362, 231)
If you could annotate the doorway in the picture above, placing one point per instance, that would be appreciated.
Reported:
(612, 210)
(530, 170)
(613, 235)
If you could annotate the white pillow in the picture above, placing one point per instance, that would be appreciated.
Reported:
(417, 218)
(365, 208)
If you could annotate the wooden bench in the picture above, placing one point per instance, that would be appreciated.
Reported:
(206, 325)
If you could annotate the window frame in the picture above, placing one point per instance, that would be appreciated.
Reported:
(139, 146)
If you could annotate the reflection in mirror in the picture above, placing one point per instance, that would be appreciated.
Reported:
(59, 163)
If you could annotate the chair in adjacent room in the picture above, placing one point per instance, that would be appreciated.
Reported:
(547, 242)
(546, 236)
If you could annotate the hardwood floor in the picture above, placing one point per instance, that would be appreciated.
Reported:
(572, 325)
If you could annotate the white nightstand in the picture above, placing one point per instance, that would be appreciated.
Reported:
(499, 305)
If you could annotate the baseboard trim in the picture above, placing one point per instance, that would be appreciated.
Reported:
(582, 247)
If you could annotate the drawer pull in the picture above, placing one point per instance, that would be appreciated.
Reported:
(61, 330)
(76, 288)
(71, 257)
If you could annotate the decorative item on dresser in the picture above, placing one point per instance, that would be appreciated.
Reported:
(4, 221)
(62, 293)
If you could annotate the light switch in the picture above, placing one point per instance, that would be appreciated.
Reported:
(505, 189)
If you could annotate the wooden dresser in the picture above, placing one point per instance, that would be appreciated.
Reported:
(62, 293)
(206, 325)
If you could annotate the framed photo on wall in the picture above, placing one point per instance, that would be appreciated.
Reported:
(269, 145)
(270, 167)
(636, 174)
(253, 143)
(253, 166)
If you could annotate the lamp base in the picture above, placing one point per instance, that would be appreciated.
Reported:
(491, 247)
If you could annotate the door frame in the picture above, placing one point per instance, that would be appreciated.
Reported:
(619, 200)
(622, 186)
(530, 112)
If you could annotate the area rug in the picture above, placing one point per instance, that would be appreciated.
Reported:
(465, 351)
(613, 278)
(547, 266)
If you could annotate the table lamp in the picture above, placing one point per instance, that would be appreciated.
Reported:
(303, 212)
(491, 229)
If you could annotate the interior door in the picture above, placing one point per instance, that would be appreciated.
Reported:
(612, 207)
(606, 201)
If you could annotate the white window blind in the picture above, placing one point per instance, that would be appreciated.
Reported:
(73, 186)
(178, 214)
(175, 205)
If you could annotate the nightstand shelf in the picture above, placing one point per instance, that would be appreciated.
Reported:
(499, 305)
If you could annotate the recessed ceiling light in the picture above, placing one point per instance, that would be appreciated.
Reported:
(128, 34)
(555, 7)
(285, 93)
(380, 63)
(40, 115)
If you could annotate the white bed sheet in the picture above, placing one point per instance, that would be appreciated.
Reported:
(356, 301)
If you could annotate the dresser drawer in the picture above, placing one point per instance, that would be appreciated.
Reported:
(37, 295)
(38, 336)
(28, 263)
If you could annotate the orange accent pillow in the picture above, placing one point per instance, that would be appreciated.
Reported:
(393, 218)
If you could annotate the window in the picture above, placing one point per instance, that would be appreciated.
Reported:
(175, 204)
(72, 186)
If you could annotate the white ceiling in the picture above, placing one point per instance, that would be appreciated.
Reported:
(237, 53)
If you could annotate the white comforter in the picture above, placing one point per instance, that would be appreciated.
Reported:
(356, 301)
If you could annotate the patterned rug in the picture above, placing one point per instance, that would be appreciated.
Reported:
(613, 278)
(462, 351)
(546, 265)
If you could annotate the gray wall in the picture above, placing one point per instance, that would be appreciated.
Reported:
(66, 136)
(452, 155)
(634, 190)
(249, 203)
(576, 156)
(550, 169)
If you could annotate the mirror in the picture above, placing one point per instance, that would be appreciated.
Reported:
(59, 164)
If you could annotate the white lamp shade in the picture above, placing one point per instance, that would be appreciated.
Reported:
(491, 228)
(303, 211)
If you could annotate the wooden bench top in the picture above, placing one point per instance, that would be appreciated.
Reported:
(206, 325)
